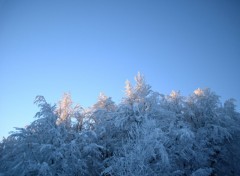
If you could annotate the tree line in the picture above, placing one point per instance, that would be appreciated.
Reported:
(147, 133)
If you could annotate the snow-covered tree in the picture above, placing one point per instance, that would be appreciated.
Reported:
(147, 133)
(128, 90)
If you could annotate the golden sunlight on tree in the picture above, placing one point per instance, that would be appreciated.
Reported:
(199, 92)
(64, 109)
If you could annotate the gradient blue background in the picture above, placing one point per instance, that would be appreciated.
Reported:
(84, 47)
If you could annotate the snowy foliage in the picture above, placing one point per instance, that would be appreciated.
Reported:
(148, 133)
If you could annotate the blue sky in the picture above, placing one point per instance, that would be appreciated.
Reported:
(85, 47)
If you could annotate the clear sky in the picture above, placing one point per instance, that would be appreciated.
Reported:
(85, 47)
